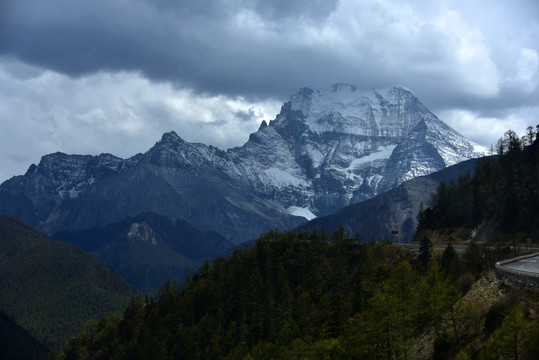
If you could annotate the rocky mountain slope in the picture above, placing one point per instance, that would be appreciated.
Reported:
(149, 249)
(174, 178)
(393, 214)
(324, 150)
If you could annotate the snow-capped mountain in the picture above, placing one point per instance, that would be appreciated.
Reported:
(323, 151)
(326, 150)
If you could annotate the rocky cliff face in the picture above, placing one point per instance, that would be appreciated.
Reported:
(393, 214)
(324, 150)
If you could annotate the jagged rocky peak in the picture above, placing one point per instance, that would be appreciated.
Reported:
(57, 160)
(172, 141)
(301, 101)
(142, 232)
(66, 163)
(171, 137)
(74, 172)
(170, 145)
(173, 151)
(169, 140)
(31, 170)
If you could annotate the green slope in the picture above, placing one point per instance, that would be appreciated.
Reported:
(51, 288)
(500, 201)
(296, 296)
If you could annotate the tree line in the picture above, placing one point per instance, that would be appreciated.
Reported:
(503, 188)
(293, 296)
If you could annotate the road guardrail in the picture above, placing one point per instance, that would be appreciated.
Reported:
(500, 265)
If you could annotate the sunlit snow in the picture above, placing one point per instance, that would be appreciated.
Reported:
(284, 177)
(383, 153)
(299, 211)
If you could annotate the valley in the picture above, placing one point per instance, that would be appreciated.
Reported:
(333, 165)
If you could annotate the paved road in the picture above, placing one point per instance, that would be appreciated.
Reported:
(436, 246)
(529, 265)
(464, 246)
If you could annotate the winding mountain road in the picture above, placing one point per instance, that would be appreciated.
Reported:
(527, 265)
(530, 265)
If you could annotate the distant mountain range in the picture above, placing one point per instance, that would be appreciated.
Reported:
(325, 150)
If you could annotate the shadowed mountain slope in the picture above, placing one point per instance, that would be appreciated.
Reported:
(50, 288)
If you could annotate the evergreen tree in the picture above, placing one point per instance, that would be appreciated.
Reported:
(339, 235)
(424, 254)
(506, 342)
(450, 262)
(473, 261)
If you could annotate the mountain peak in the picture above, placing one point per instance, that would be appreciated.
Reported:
(263, 124)
(404, 88)
(391, 111)
(170, 136)
(169, 141)
(304, 92)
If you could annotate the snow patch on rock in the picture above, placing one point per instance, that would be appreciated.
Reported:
(301, 211)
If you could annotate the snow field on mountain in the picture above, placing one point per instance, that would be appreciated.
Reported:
(301, 211)
(284, 177)
(382, 154)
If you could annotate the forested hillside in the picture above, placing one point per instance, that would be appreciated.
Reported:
(503, 191)
(316, 295)
(309, 296)
(51, 288)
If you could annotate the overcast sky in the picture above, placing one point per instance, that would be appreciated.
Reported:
(88, 77)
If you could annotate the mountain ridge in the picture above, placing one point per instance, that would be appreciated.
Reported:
(49, 288)
(324, 139)
(393, 214)
(148, 249)
(323, 151)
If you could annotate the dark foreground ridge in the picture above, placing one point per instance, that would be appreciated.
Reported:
(50, 288)
(296, 295)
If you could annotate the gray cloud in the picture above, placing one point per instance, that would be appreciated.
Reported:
(205, 45)
(120, 113)
(133, 69)
(245, 116)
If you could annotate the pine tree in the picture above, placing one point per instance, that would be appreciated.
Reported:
(450, 262)
(424, 254)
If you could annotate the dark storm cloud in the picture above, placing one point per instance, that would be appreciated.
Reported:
(124, 71)
(257, 49)
(312, 10)
(193, 43)
(245, 116)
